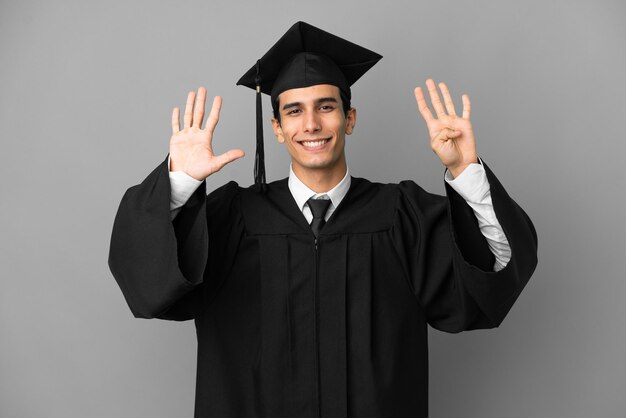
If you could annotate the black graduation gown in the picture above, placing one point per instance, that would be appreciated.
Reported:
(286, 329)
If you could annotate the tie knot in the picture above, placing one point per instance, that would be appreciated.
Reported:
(318, 207)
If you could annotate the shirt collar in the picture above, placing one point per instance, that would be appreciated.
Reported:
(301, 193)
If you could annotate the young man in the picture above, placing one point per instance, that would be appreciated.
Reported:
(311, 295)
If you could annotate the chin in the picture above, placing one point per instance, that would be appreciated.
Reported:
(317, 165)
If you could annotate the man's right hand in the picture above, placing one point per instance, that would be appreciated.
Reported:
(190, 148)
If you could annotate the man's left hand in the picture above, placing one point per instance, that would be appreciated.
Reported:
(451, 137)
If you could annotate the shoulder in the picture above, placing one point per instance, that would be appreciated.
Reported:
(395, 192)
(399, 200)
(417, 196)
(364, 187)
(223, 200)
(227, 190)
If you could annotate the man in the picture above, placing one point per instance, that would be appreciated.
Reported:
(311, 295)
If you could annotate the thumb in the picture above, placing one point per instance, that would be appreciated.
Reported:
(227, 157)
(448, 133)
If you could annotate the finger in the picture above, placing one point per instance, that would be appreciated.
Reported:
(175, 120)
(214, 116)
(227, 157)
(422, 105)
(198, 113)
(434, 98)
(447, 99)
(188, 109)
(467, 107)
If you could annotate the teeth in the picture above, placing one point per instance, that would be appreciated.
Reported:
(313, 143)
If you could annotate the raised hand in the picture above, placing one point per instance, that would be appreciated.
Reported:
(451, 137)
(191, 149)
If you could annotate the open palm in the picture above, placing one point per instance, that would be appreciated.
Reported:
(191, 148)
(451, 137)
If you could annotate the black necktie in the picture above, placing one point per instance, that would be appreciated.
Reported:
(318, 209)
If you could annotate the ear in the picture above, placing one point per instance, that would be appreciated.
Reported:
(350, 120)
(278, 131)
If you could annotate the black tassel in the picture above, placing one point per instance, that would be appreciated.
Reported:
(259, 158)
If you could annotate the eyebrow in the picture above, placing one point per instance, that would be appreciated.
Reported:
(317, 102)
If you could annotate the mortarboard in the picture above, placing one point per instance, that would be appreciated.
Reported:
(304, 56)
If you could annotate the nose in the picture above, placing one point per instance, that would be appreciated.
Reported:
(311, 122)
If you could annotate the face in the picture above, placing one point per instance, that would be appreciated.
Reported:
(313, 127)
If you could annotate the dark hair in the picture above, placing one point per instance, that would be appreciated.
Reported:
(345, 101)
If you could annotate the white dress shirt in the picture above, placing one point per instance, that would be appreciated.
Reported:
(471, 184)
(301, 194)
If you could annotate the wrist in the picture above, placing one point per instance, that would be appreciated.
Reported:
(458, 169)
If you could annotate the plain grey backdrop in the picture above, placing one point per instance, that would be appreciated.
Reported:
(86, 93)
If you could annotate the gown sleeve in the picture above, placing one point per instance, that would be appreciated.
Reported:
(448, 262)
(160, 263)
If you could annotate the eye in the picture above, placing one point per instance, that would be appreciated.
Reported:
(293, 111)
(327, 107)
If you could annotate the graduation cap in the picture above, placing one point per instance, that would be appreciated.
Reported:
(304, 56)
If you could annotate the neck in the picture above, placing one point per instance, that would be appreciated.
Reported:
(321, 180)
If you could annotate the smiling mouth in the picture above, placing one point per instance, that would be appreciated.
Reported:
(314, 144)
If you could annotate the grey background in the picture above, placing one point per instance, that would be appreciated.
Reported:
(86, 92)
